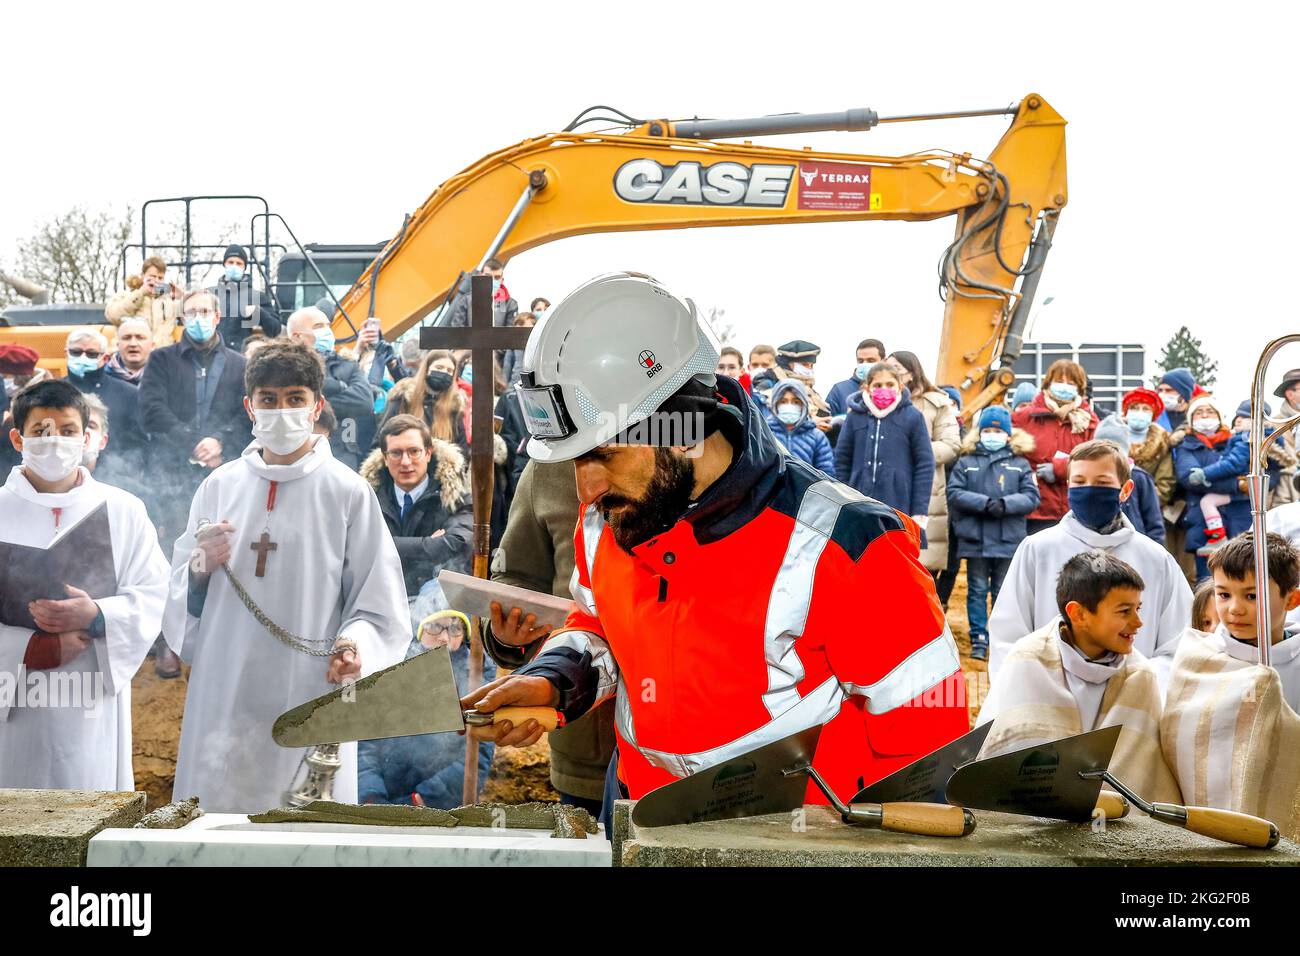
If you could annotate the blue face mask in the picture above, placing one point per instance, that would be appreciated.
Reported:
(1138, 422)
(1064, 391)
(234, 273)
(1095, 506)
(467, 375)
(993, 440)
(324, 339)
(200, 330)
(496, 286)
(789, 414)
(538, 313)
(860, 373)
(80, 365)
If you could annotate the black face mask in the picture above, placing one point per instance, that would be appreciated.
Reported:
(437, 381)
(666, 499)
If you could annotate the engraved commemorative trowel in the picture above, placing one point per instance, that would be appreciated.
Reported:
(773, 779)
(416, 696)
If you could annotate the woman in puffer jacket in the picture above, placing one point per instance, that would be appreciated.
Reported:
(884, 448)
(787, 415)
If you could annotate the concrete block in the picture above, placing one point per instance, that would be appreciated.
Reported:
(1000, 839)
(53, 827)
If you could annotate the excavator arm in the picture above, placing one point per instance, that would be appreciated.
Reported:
(666, 175)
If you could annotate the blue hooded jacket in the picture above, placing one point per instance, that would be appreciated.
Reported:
(979, 476)
(805, 440)
(432, 765)
(1143, 506)
(1194, 453)
(889, 459)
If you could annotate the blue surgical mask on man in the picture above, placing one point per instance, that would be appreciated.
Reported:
(995, 439)
(199, 328)
(234, 273)
(496, 284)
(1138, 421)
(467, 375)
(860, 373)
(1064, 391)
(80, 365)
(324, 339)
(1096, 506)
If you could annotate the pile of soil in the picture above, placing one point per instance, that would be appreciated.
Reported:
(156, 709)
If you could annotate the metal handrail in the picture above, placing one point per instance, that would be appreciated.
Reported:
(1257, 484)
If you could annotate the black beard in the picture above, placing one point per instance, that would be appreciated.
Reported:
(666, 499)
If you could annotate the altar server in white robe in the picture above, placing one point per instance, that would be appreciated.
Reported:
(1080, 673)
(65, 689)
(1099, 482)
(304, 537)
(1285, 520)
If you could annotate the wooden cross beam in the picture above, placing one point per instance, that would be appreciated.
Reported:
(483, 339)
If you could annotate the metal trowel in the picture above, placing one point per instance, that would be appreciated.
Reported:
(416, 696)
(773, 779)
(926, 780)
(1041, 781)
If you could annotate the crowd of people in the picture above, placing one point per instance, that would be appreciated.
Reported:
(167, 403)
(1091, 528)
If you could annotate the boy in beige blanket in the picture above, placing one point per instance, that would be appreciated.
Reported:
(1080, 673)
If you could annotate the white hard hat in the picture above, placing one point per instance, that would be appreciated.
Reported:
(606, 358)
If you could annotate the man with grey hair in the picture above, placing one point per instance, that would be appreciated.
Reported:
(134, 345)
(192, 409)
(345, 388)
(86, 351)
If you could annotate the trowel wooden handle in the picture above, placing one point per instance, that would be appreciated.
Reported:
(1112, 805)
(548, 717)
(926, 819)
(1232, 827)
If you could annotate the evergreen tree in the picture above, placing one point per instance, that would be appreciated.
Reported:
(1184, 351)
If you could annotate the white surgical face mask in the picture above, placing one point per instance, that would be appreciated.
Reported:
(1171, 401)
(53, 458)
(1206, 426)
(801, 368)
(789, 414)
(282, 430)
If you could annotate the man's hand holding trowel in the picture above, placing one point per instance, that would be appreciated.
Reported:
(536, 693)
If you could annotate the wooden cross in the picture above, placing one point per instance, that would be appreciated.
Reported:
(483, 339)
(262, 546)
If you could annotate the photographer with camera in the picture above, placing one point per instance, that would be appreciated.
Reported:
(151, 297)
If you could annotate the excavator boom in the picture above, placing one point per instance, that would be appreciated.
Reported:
(659, 175)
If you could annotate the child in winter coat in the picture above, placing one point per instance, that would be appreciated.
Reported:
(1143, 506)
(1209, 462)
(884, 448)
(991, 489)
(787, 415)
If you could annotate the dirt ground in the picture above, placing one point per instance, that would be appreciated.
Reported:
(518, 776)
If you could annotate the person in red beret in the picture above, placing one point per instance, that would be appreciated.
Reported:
(1152, 449)
(17, 368)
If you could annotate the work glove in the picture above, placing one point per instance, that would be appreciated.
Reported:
(997, 507)
(1046, 472)
(1197, 477)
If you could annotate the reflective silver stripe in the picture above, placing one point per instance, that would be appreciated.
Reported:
(607, 678)
(923, 669)
(812, 710)
(586, 600)
(787, 607)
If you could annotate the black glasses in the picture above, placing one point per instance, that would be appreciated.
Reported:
(89, 353)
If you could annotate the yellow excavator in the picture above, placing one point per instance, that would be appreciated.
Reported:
(665, 174)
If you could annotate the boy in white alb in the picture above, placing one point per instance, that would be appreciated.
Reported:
(286, 582)
(1099, 475)
(1081, 672)
(65, 688)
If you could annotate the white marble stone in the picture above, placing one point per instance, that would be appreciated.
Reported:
(228, 839)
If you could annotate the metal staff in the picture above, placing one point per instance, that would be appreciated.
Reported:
(1257, 484)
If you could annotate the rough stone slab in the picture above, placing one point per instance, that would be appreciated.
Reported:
(1000, 839)
(53, 827)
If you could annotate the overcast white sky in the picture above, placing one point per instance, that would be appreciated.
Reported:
(347, 115)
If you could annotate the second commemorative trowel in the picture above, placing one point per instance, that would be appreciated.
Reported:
(415, 696)
(1024, 781)
(773, 779)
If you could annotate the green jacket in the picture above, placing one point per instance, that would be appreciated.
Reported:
(536, 552)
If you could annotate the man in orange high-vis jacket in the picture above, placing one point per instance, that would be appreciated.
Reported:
(727, 594)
